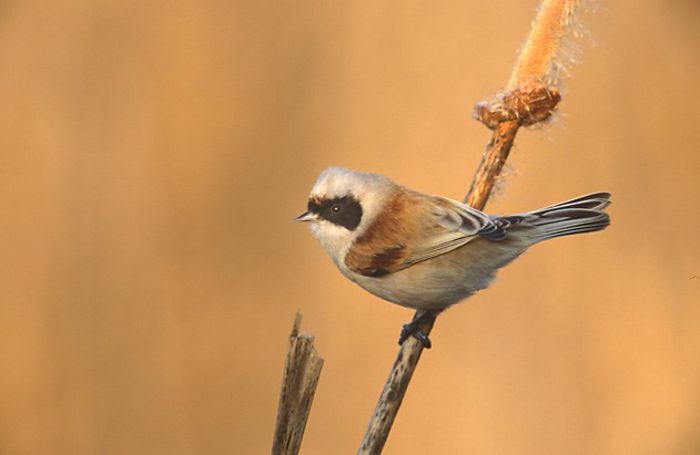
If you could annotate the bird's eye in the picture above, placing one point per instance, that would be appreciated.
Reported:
(335, 208)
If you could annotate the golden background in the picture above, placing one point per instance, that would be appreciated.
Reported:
(154, 153)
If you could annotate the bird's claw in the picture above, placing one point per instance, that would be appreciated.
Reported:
(412, 329)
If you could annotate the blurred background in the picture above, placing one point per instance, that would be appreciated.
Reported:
(154, 154)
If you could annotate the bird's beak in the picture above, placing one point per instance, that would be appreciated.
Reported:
(306, 216)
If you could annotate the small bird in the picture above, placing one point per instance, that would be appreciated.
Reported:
(428, 252)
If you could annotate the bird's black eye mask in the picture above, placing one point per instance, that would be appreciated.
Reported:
(344, 211)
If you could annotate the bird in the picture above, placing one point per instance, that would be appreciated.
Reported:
(428, 252)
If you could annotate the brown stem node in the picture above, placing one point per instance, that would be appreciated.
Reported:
(526, 105)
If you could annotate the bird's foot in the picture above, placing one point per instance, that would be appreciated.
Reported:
(413, 329)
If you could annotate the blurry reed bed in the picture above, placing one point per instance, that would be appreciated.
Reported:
(154, 155)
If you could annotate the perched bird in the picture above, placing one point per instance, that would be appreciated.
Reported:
(428, 252)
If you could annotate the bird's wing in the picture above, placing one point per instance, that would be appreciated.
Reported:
(469, 220)
(414, 228)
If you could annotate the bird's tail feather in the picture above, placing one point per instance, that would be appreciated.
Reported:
(576, 216)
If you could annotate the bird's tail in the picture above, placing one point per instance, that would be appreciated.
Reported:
(576, 216)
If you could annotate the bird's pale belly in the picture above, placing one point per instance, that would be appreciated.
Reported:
(442, 281)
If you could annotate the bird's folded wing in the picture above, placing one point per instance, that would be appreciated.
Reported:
(414, 230)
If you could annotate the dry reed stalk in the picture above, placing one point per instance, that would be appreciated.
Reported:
(301, 373)
(530, 97)
(538, 60)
